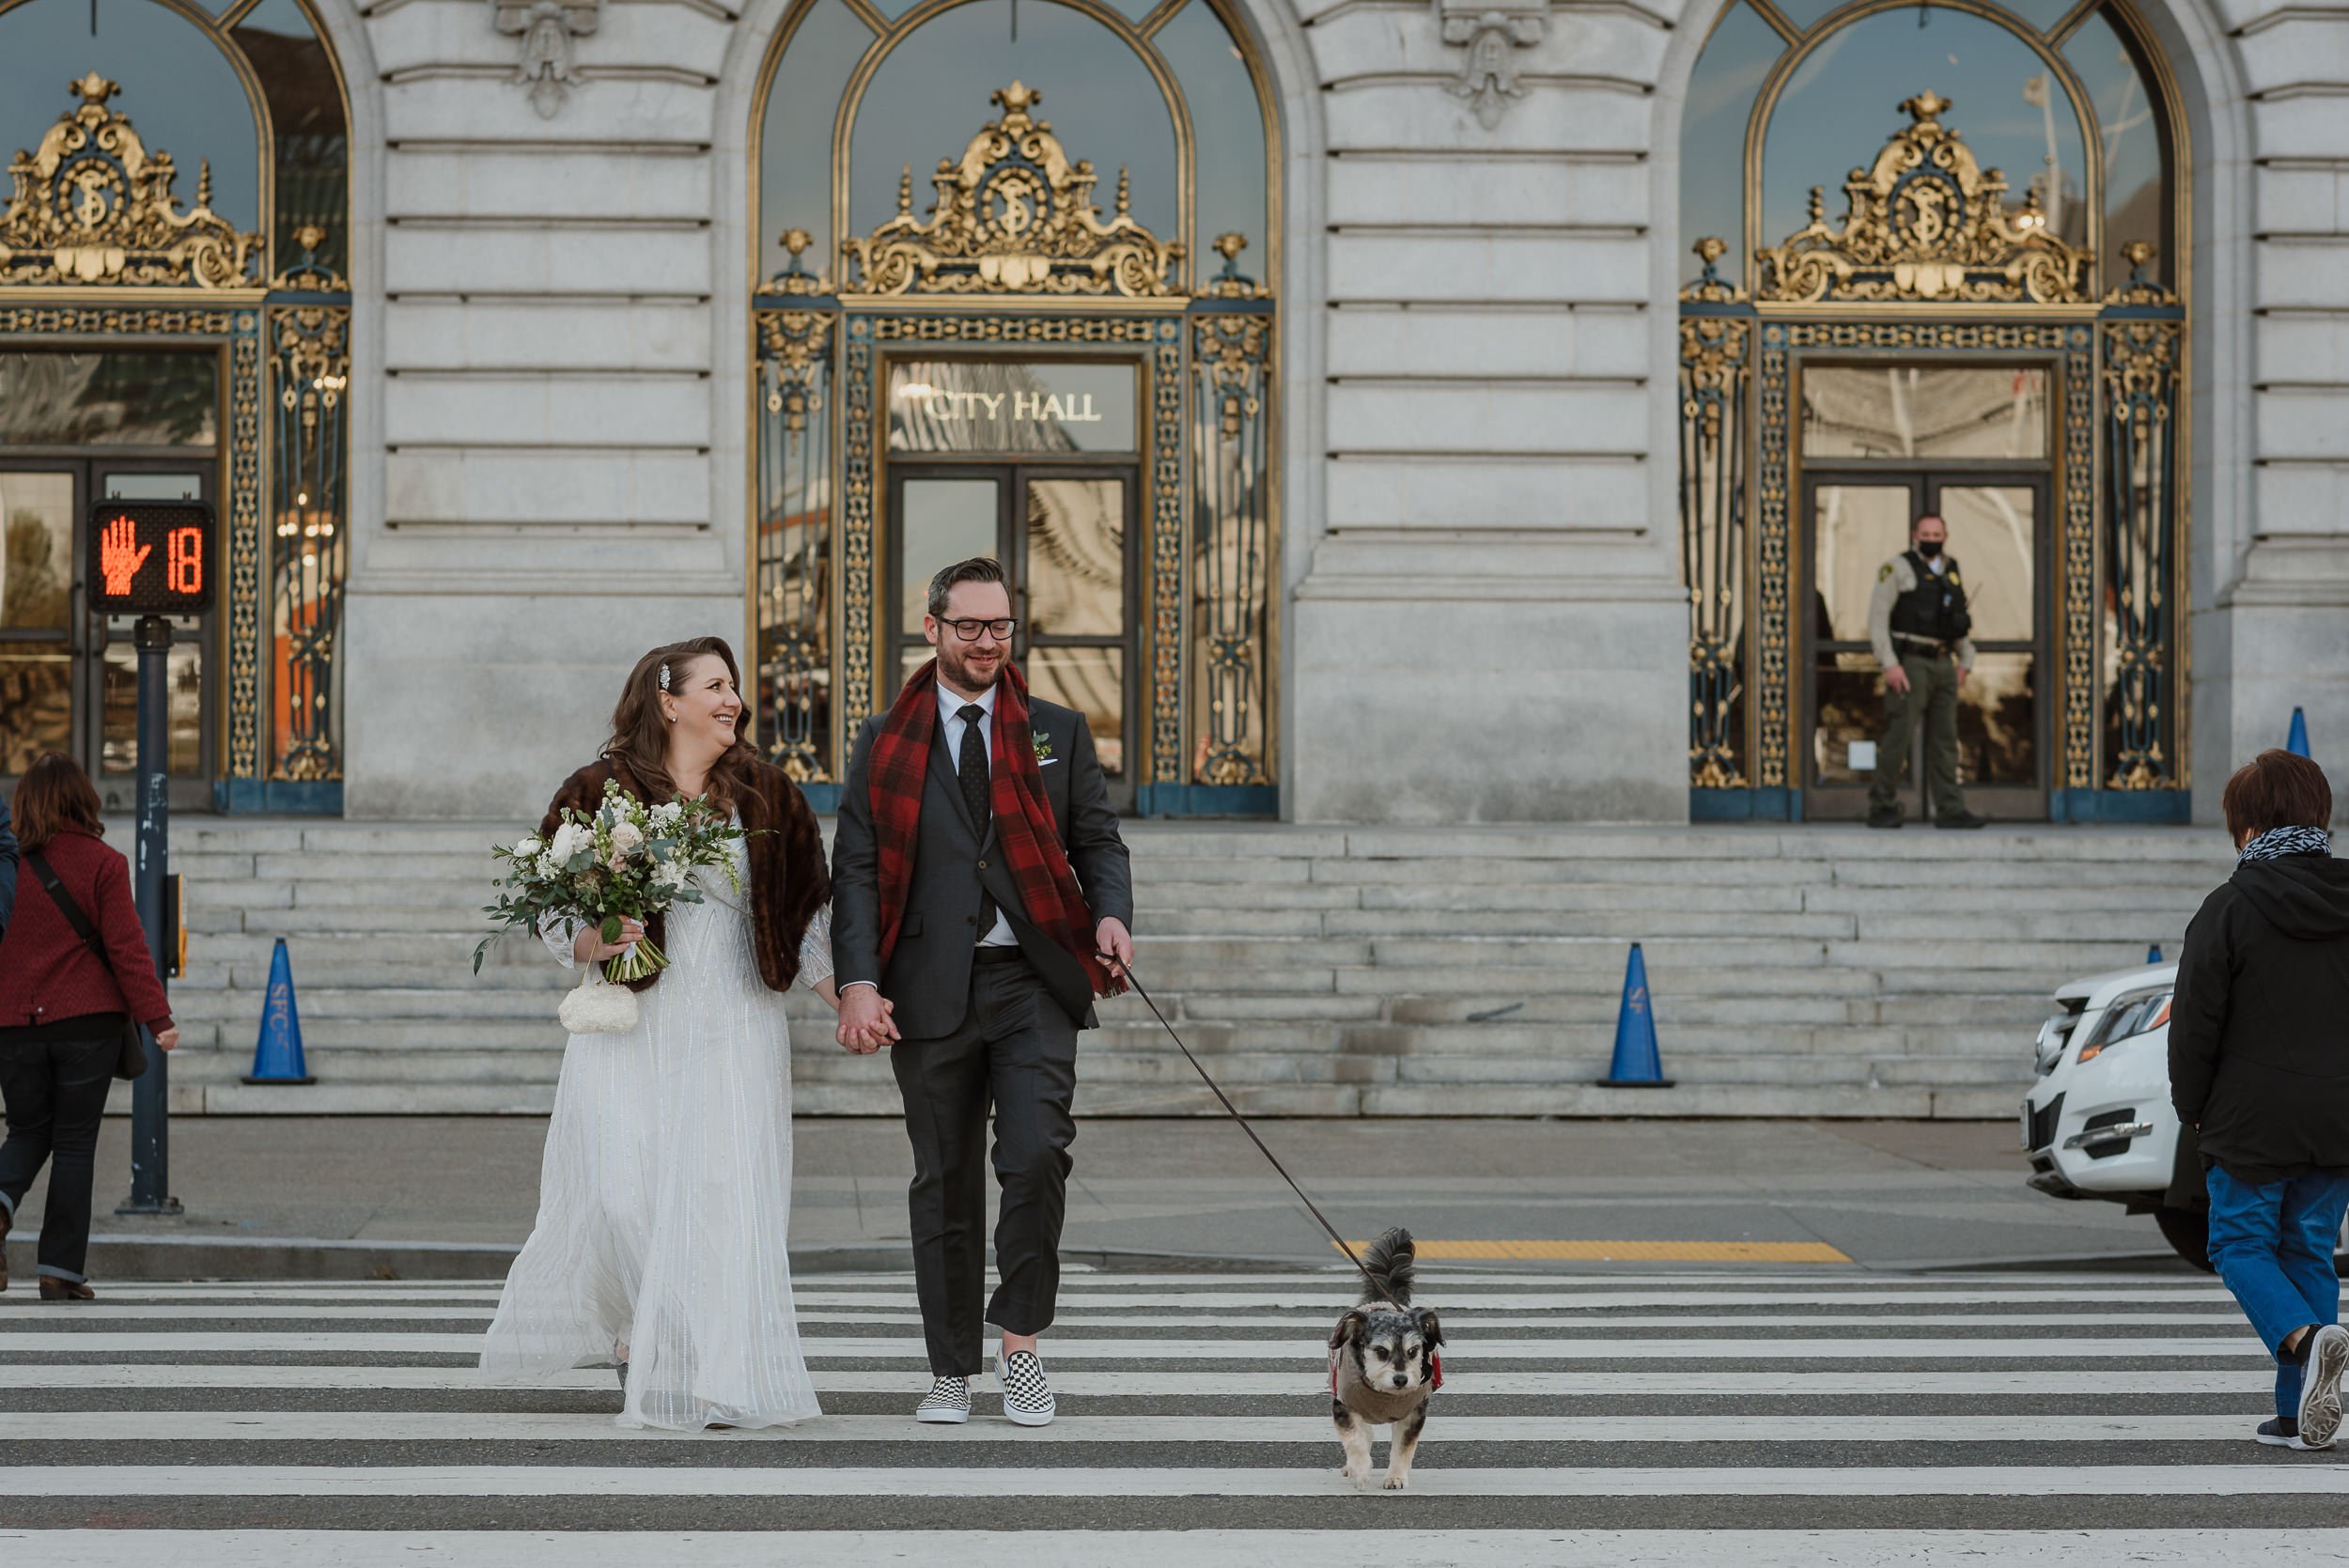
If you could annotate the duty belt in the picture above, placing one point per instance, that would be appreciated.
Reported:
(1926, 645)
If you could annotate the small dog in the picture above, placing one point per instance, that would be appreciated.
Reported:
(1383, 1363)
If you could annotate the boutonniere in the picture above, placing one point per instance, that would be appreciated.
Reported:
(1042, 748)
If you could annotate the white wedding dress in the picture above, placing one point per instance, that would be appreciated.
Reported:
(664, 1198)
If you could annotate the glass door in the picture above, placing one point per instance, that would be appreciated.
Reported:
(69, 681)
(42, 635)
(1998, 534)
(1066, 537)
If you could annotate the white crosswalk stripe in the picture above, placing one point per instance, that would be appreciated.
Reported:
(1620, 1419)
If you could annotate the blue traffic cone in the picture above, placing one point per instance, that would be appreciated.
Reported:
(2153, 952)
(2297, 741)
(1636, 1066)
(277, 1055)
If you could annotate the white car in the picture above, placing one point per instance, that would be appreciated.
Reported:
(2098, 1124)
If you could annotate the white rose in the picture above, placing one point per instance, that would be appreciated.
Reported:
(570, 839)
(528, 848)
(626, 836)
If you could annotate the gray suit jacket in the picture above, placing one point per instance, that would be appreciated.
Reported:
(928, 976)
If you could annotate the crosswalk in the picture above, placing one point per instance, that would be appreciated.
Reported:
(1825, 1418)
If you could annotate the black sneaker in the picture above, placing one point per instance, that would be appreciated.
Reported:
(1027, 1398)
(947, 1403)
(2319, 1386)
(1962, 819)
(1885, 818)
(2280, 1434)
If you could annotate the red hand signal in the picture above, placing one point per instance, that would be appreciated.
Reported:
(120, 556)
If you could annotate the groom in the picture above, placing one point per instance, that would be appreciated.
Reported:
(976, 875)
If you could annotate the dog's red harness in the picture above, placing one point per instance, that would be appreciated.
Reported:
(1435, 1371)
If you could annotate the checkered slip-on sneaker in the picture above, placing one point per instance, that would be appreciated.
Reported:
(2319, 1386)
(947, 1403)
(1027, 1397)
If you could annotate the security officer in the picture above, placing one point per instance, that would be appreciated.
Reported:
(1917, 624)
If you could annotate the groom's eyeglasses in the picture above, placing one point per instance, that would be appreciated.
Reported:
(969, 630)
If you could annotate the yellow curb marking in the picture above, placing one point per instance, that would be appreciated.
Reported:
(1628, 1251)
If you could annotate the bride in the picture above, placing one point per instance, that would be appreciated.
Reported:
(664, 1199)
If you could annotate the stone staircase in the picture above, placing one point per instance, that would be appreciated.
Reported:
(1385, 971)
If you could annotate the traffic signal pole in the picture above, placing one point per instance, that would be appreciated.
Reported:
(150, 1124)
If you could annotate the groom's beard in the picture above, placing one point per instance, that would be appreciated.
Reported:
(954, 664)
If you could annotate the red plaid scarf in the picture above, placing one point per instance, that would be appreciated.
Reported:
(1023, 818)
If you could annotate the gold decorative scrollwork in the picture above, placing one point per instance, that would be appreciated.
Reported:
(795, 279)
(1228, 283)
(93, 207)
(1716, 363)
(1232, 543)
(1014, 216)
(306, 276)
(792, 581)
(2143, 346)
(1925, 223)
(310, 537)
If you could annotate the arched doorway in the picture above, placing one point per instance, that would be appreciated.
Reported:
(1992, 329)
(1054, 356)
(159, 340)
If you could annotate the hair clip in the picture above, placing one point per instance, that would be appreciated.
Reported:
(664, 674)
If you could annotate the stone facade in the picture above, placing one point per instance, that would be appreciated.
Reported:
(1482, 618)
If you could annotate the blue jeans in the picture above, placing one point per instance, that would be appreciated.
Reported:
(2272, 1243)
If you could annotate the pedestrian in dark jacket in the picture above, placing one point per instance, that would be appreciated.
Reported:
(2259, 1062)
(62, 1015)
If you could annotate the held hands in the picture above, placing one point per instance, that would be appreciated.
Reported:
(864, 1023)
(589, 947)
(1896, 679)
(1962, 674)
(168, 1039)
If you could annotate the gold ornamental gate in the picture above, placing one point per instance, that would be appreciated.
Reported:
(1017, 374)
(1937, 349)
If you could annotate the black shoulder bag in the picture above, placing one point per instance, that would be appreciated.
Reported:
(132, 1059)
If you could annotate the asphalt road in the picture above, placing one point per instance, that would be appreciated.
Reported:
(1894, 1195)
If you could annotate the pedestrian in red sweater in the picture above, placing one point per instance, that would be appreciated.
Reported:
(62, 1013)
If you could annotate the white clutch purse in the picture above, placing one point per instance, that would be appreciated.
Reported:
(596, 1006)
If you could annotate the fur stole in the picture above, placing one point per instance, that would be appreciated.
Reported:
(788, 878)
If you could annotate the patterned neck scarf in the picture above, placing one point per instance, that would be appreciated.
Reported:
(1023, 818)
(2286, 841)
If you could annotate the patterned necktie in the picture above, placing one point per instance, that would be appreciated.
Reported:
(972, 767)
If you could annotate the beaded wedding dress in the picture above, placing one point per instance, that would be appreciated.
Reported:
(664, 1198)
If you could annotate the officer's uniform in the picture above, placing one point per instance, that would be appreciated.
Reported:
(1918, 617)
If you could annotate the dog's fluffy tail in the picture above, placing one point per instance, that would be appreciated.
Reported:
(1391, 1261)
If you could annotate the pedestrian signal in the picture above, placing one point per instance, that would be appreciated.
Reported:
(150, 557)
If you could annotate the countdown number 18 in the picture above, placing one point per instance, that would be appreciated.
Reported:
(184, 561)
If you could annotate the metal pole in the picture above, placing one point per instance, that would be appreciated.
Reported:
(150, 1126)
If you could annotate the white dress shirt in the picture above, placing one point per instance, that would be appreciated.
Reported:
(950, 707)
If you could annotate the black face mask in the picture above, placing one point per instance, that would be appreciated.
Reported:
(1929, 549)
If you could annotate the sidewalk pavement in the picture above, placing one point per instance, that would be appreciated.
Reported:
(411, 1197)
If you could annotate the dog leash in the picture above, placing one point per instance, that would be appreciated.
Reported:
(1377, 1290)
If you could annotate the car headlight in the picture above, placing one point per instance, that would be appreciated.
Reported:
(2131, 1013)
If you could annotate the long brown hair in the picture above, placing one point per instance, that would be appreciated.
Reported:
(54, 797)
(640, 734)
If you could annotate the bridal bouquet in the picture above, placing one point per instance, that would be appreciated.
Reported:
(627, 860)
